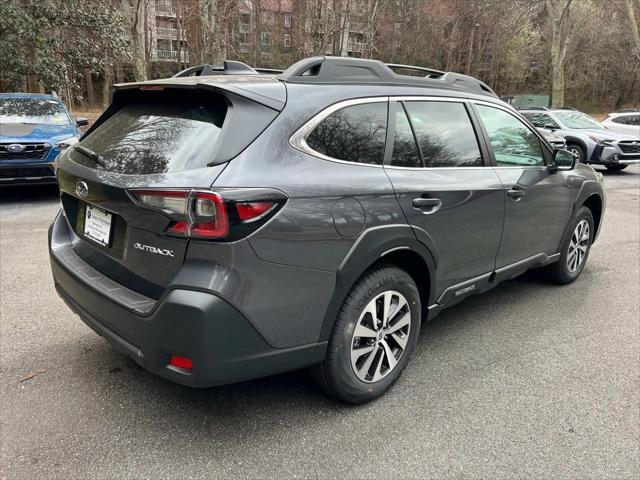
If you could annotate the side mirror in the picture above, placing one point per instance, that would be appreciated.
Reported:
(563, 160)
(82, 122)
(550, 126)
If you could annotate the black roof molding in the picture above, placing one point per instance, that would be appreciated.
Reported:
(348, 70)
(229, 67)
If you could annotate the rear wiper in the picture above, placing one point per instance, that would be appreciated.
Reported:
(87, 152)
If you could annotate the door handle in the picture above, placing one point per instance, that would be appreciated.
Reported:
(516, 193)
(429, 205)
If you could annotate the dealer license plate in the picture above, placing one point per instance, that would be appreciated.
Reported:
(97, 225)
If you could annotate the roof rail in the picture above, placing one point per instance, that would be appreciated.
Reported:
(535, 108)
(345, 70)
(428, 71)
(229, 67)
(269, 71)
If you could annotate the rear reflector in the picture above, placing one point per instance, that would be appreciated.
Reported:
(181, 362)
(248, 211)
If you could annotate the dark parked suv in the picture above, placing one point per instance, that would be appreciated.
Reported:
(223, 227)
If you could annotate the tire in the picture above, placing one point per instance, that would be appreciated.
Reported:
(579, 151)
(337, 373)
(616, 168)
(570, 265)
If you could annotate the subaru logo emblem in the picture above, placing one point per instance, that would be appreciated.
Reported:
(15, 148)
(82, 189)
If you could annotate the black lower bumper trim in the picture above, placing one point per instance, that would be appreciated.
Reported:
(224, 346)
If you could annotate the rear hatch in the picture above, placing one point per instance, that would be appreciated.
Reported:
(174, 138)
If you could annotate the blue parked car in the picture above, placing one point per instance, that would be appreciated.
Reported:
(34, 129)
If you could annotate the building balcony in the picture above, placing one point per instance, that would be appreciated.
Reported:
(172, 56)
(356, 47)
(169, 32)
(165, 9)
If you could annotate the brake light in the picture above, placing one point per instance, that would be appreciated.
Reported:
(249, 211)
(209, 215)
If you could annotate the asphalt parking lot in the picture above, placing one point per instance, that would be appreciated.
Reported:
(529, 380)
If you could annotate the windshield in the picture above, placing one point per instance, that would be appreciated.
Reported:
(40, 111)
(578, 120)
(146, 138)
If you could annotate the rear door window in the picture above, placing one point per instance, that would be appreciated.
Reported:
(353, 134)
(147, 138)
(627, 120)
(444, 133)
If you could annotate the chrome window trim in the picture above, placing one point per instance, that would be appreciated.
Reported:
(299, 139)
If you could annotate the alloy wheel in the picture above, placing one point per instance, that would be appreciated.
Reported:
(381, 336)
(577, 152)
(578, 246)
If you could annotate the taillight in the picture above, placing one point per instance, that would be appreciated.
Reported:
(210, 215)
(170, 201)
(251, 211)
(210, 219)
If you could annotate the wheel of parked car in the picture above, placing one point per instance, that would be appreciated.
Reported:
(575, 249)
(373, 337)
(616, 168)
(578, 151)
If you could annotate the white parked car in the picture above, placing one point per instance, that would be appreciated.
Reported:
(627, 121)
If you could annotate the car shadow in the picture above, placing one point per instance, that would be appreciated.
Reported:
(293, 395)
(31, 193)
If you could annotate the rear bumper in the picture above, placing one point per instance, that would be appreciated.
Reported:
(223, 344)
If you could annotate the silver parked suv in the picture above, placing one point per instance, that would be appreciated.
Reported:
(586, 138)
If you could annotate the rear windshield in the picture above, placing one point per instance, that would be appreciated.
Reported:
(160, 136)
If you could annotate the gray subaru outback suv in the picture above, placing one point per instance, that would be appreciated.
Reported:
(228, 224)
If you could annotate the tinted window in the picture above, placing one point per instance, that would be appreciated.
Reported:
(513, 142)
(145, 138)
(445, 134)
(627, 120)
(405, 150)
(38, 111)
(355, 134)
(541, 120)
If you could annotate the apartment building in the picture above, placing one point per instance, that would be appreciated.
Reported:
(264, 27)
(170, 30)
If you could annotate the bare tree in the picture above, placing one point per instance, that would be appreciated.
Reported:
(138, 40)
(633, 24)
(559, 12)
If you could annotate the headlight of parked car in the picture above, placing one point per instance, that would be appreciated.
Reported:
(600, 139)
(67, 142)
